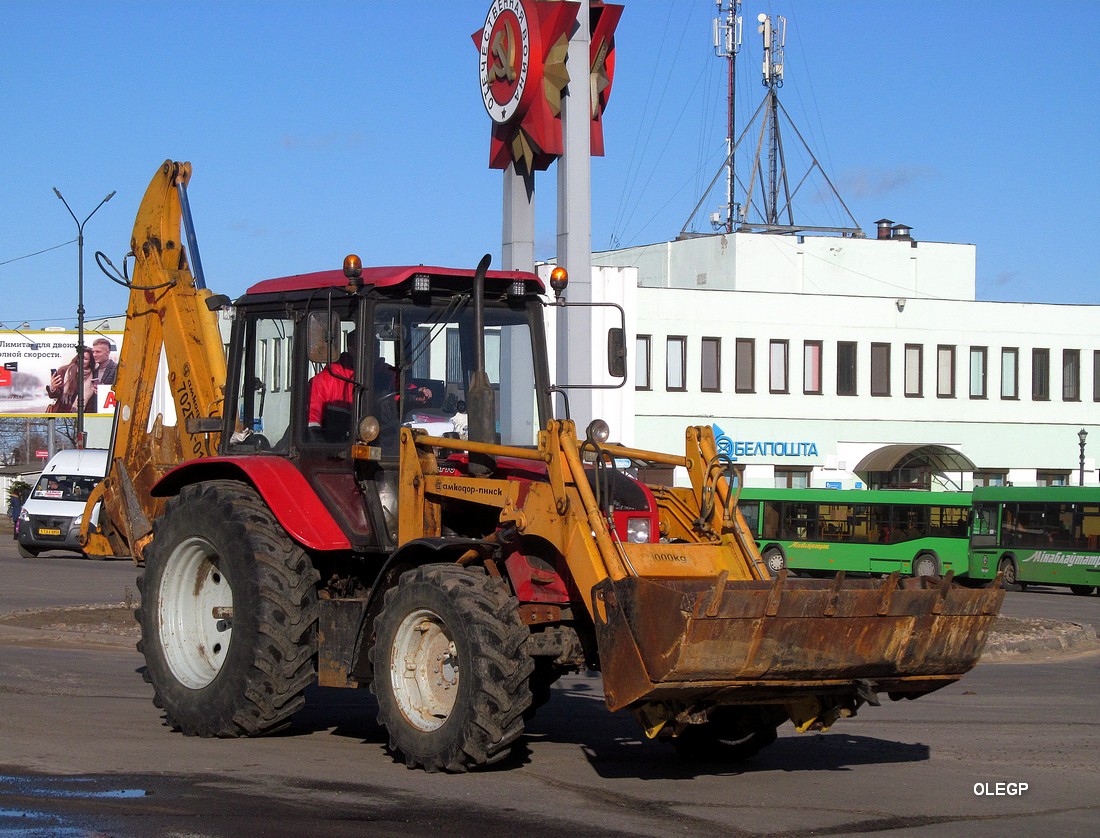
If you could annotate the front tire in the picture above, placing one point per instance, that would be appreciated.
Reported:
(28, 552)
(1083, 590)
(774, 560)
(926, 565)
(451, 670)
(1009, 577)
(228, 614)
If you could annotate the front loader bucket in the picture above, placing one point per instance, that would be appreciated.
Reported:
(733, 642)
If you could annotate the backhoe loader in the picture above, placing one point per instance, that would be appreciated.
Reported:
(371, 491)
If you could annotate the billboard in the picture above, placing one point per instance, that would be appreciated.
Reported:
(38, 373)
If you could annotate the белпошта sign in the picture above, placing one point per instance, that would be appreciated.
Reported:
(762, 448)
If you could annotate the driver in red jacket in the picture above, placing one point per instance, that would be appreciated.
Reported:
(334, 385)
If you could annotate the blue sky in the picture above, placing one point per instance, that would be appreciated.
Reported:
(322, 128)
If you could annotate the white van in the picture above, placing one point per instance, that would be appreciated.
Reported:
(51, 517)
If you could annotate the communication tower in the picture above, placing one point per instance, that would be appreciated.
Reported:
(767, 203)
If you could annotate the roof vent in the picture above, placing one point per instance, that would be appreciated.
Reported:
(902, 233)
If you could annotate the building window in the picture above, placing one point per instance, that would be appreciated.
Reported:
(1010, 373)
(880, 369)
(262, 356)
(914, 370)
(845, 368)
(990, 478)
(1052, 478)
(945, 372)
(421, 363)
(643, 368)
(711, 365)
(792, 478)
(277, 365)
(1071, 375)
(1096, 375)
(978, 368)
(1040, 374)
(777, 366)
(454, 358)
(745, 363)
(676, 363)
(811, 368)
(289, 377)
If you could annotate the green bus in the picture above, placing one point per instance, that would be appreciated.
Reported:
(1043, 535)
(878, 531)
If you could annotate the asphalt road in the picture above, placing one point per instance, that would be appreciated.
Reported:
(83, 752)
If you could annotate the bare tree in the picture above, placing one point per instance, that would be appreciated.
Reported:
(22, 436)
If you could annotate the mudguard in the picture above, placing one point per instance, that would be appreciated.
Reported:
(286, 492)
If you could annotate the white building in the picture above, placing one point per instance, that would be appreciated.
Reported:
(851, 362)
(846, 362)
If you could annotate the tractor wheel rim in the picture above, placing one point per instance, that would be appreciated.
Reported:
(424, 670)
(195, 609)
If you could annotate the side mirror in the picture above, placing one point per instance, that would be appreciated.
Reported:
(322, 336)
(616, 352)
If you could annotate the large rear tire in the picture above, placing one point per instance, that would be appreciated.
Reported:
(451, 669)
(228, 614)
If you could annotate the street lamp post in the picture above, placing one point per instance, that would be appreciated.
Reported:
(1081, 434)
(80, 309)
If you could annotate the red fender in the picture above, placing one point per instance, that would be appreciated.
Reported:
(283, 488)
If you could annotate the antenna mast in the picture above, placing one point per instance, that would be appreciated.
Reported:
(770, 214)
(727, 43)
(775, 41)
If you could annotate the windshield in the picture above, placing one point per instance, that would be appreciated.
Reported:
(426, 355)
(64, 487)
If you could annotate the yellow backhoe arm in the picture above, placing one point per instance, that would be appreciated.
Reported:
(167, 315)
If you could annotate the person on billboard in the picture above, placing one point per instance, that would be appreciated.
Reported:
(105, 368)
(66, 383)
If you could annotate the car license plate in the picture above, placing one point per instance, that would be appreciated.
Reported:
(49, 531)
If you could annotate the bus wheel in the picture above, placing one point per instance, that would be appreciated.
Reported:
(1083, 590)
(1007, 568)
(774, 560)
(926, 565)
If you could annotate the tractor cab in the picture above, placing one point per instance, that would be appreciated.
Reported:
(322, 362)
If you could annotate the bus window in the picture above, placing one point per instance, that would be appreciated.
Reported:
(983, 531)
(751, 512)
(770, 529)
(834, 522)
(799, 522)
(1090, 526)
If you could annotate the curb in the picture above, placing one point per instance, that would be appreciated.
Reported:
(18, 635)
(1059, 637)
(1013, 639)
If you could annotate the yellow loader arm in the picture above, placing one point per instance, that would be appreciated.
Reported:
(695, 620)
(167, 316)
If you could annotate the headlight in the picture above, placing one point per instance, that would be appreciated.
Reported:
(598, 431)
(637, 530)
(24, 515)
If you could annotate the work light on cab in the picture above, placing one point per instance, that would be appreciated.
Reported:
(559, 279)
(353, 270)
